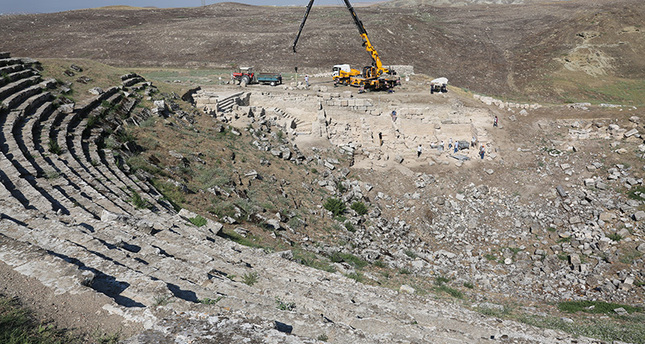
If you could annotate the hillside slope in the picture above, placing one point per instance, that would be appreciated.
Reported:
(509, 50)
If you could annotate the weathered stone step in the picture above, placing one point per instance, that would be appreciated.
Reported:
(81, 196)
(17, 86)
(15, 99)
(87, 186)
(12, 68)
(119, 184)
(34, 102)
(91, 104)
(8, 61)
(20, 188)
(12, 77)
(76, 149)
(132, 180)
(133, 81)
(107, 276)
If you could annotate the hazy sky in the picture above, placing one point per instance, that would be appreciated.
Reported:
(43, 6)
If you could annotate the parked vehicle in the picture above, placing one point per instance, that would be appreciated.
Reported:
(246, 76)
(439, 85)
(374, 77)
(272, 79)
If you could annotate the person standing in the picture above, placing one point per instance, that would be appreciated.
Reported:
(473, 142)
(442, 146)
(482, 151)
(495, 122)
(456, 146)
(393, 116)
(450, 144)
(307, 80)
(419, 151)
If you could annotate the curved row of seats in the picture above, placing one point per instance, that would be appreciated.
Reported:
(50, 158)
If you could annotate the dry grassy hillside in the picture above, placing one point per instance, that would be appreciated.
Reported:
(553, 51)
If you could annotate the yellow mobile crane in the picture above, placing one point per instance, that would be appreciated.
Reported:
(374, 77)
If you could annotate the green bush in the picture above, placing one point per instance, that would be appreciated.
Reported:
(349, 226)
(250, 278)
(614, 236)
(637, 193)
(380, 264)
(208, 301)
(357, 262)
(336, 206)
(359, 208)
(411, 254)
(198, 221)
(138, 201)
(450, 291)
(54, 147)
(311, 260)
(284, 306)
(356, 276)
(440, 280)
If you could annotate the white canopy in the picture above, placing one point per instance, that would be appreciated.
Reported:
(439, 81)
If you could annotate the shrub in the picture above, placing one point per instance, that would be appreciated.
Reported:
(565, 239)
(411, 254)
(162, 300)
(614, 236)
(198, 221)
(284, 306)
(359, 208)
(379, 264)
(336, 206)
(338, 257)
(450, 291)
(637, 193)
(439, 280)
(349, 226)
(469, 285)
(54, 147)
(208, 301)
(356, 276)
(138, 201)
(250, 278)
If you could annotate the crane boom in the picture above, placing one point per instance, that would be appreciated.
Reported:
(302, 25)
(376, 60)
(372, 76)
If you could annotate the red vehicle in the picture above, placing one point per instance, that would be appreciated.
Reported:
(244, 75)
(247, 76)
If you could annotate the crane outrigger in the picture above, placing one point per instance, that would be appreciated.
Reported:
(374, 77)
